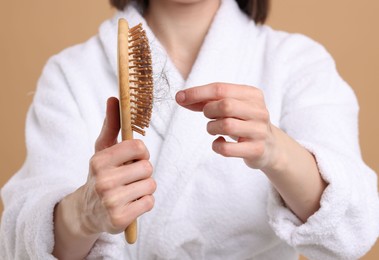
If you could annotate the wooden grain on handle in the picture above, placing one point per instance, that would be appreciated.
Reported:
(123, 75)
(125, 110)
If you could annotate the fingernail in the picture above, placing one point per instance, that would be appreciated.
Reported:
(180, 96)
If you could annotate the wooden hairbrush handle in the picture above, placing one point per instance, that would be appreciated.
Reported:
(136, 88)
(125, 103)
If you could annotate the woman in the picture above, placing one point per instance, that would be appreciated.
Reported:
(301, 185)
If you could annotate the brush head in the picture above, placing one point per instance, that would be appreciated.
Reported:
(135, 79)
(140, 79)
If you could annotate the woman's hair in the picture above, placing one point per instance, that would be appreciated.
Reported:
(256, 9)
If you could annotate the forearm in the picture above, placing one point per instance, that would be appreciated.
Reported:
(71, 239)
(295, 176)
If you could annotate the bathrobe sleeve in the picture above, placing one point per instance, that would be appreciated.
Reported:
(320, 111)
(58, 151)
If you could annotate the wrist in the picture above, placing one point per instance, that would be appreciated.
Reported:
(278, 158)
(70, 241)
(75, 220)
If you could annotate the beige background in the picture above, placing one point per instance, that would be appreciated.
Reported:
(32, 31)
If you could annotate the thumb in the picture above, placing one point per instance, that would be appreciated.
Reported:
(111, 126)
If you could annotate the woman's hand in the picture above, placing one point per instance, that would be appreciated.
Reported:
(119, 188)
(239, 112)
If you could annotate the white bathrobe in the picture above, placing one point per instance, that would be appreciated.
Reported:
(207, 206)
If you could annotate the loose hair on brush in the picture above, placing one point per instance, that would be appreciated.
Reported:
(257, 10)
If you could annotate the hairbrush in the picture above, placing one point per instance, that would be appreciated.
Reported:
(135, 88)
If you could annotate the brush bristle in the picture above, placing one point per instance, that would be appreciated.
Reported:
(140, 79)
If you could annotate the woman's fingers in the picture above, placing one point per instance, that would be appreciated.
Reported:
(111, 126)
(140, 206)
(124, 175)
(246, 150)
(116, 190)
(123, 216)
(119, 154)
(197, 107)
(120, 197)
(216, 91)
(234, 108)
(239, 111)
(119, 187)
(237, 128)
(126, 203)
